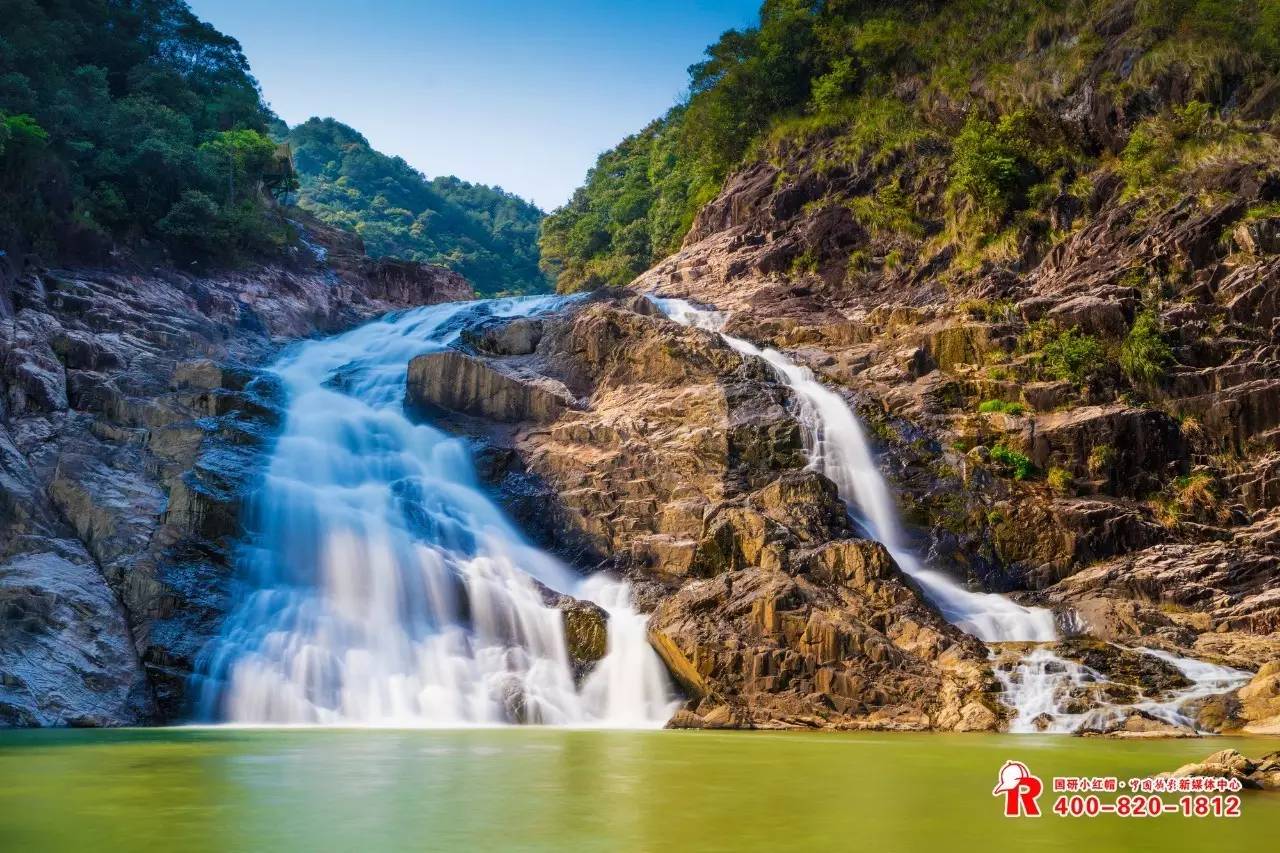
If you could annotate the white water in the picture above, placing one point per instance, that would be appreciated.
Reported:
(385, 587)
(838, 447)
(1038, 690)
(1042, 686)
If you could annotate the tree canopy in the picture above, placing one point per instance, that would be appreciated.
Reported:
(132, 122)
(485, 233)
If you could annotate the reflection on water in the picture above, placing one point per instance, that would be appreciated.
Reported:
(198, 789)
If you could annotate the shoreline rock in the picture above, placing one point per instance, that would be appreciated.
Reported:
(1259, 774)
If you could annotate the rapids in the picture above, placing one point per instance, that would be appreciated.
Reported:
(382, 586)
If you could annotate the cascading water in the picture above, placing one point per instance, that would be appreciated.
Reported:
(1041, 686)
(385, 588)
(839, 448)
(1045, 691)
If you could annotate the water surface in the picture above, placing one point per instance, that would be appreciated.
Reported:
(556, 789)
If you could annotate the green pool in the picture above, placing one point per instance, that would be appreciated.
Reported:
(528, 789)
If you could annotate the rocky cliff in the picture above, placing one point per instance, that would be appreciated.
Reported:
(1083, 409)
(133, 416)
(1045, 270)
(667, 456)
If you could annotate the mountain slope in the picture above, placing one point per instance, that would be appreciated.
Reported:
(485, 233)
(1039, 246)
(134, 124)
(976, 118)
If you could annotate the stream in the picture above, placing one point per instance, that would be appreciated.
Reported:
(1043, 688)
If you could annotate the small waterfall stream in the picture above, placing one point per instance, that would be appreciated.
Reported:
(839, 448)
(385, 587)
(1044, 690)
(1040, 687)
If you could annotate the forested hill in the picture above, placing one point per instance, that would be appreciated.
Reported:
(485, 233)
(971, 117)
(131, 123)
(135, 128)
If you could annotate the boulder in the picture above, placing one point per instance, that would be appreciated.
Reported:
(1262, 773)
(505, 336)
(586, 630)
(457, 382)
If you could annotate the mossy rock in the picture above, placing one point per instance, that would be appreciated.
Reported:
(586, 632)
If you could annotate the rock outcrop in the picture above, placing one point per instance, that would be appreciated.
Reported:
(1145, 505)
(836, 637)
(456, 382)
(1261, 773)
(132, 422)
(680, 464)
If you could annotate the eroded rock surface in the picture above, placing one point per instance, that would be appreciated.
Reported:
(681, 465)
(132, 421)
(1146, 506)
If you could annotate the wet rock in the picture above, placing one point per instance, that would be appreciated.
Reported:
(1139, 725)
(1144, 672)
(133, 427)
(457, 382)
(586, 633)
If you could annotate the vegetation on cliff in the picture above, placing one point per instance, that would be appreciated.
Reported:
(485, 233)
(952, 106)
(132, 122)
(138, 125)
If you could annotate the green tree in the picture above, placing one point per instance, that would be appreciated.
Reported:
(110, 109)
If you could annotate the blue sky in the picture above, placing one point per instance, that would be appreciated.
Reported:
(521, 95)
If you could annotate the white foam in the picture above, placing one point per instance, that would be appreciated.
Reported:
(384, 587)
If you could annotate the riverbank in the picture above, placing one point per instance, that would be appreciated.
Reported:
(556, 789)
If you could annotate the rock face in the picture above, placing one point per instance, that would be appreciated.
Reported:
(1148, 506)
(835, 637)
(1252, 709)
(1263, 773)
(457, 382)
(132, 420)
(1260, 701)
(680, 464)
(1227, 586)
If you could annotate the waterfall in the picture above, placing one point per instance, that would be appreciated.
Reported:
(1045, 691)
(838, 447)
(383, 587)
